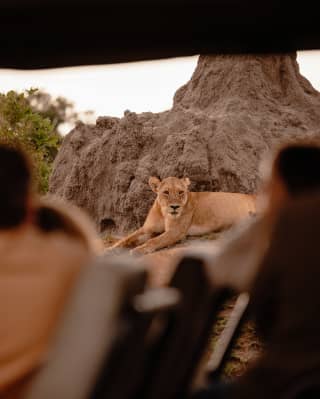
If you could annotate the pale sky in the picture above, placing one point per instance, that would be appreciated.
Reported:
(109, 89)
(140, 86)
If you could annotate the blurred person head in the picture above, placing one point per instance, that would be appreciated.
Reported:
(293, 171)
(20, 206)
(15, 187)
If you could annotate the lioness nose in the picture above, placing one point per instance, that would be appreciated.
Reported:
(174, 207)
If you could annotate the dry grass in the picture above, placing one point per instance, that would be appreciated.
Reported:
(246, 349)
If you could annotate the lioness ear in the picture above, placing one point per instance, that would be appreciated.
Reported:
(154, 183)
(186, 181)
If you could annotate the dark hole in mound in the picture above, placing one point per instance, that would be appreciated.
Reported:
(107, 224)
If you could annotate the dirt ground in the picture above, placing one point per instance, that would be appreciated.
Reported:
(161, 266)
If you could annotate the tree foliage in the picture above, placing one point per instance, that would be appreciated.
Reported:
(32, 121)
(21, 124)
(59, 110)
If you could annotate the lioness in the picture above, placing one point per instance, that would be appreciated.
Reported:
(178, 212)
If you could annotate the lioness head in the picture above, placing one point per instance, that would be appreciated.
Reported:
(172, 194)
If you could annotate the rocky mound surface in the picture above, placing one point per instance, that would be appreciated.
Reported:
(233, 109)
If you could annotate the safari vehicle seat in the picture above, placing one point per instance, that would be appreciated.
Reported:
(101, 343)
(122, 339)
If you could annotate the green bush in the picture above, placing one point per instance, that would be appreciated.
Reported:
(21, 125)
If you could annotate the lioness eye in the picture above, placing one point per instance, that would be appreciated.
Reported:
(181, 192)
(166, 192)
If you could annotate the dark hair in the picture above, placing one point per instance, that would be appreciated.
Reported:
(15, 180)
(52, 217)
(49, 219)
(299, 167)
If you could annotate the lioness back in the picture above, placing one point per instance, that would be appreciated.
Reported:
(217, 210)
